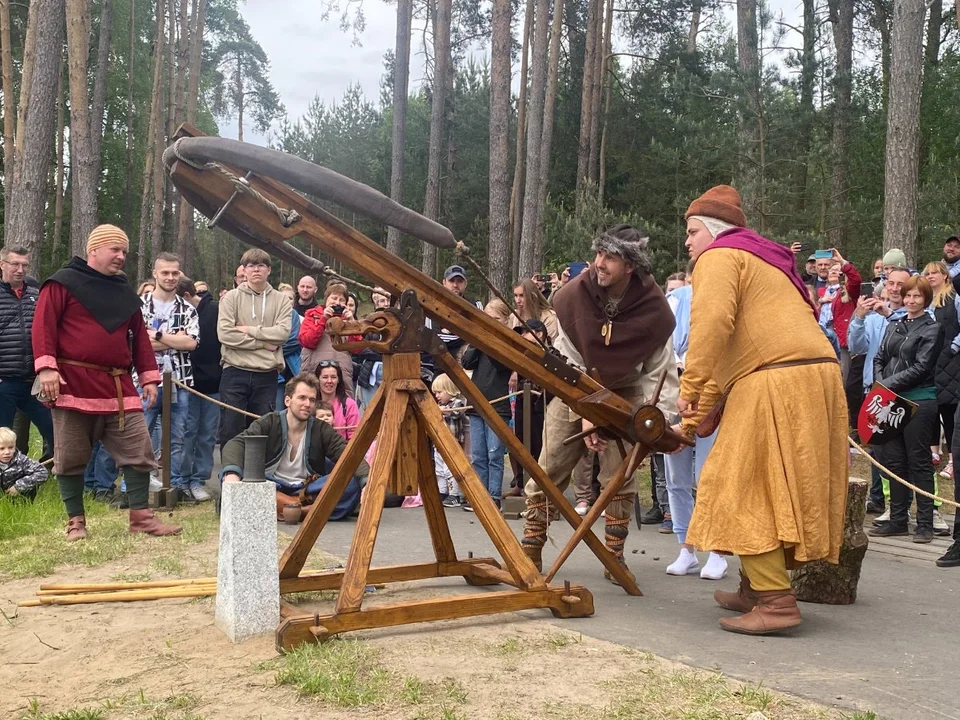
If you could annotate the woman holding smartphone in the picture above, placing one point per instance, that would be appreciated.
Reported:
(905, 364)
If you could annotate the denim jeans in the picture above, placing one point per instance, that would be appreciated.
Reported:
(487, 451)
(14, 394)
(101, 472)
(682, 471)
(178, 427)
(203, 421)
(250, 390)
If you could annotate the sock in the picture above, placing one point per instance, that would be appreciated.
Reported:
(71, 490)
(138, 488)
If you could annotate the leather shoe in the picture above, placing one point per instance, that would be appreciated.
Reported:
(741, 601)
(874, 508)
(888, 529)
(144, 521)
(76, 528)
(775, 612)
(653, 516)
(951, 558)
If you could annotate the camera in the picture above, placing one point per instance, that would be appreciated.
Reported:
(338, 309)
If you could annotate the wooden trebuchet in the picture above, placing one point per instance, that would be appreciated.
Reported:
(824, 582)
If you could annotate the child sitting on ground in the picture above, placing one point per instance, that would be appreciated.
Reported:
(20, 476)
(451, 404)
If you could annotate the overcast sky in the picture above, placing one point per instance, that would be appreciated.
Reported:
(311, 56)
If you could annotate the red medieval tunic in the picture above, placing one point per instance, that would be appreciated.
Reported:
(64, 329)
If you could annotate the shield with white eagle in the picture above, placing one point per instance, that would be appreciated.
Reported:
(883, 415)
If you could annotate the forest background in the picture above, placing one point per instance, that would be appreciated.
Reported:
(536, 124)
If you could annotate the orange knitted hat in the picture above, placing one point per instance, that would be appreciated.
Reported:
(106, 235)
(721, 202)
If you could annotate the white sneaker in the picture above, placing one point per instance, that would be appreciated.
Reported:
(947, 472)
(885, 517)
(199, 493)
(582, 508)
(939, 526)
(715, 569)
(685, 563)
(155, 484)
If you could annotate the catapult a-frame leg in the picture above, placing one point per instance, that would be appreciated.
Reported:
(371, 510)
(517, 449)
(294, 557)
(520, 567)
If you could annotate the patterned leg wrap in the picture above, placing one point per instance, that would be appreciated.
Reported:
(535, 531)
(615, 533)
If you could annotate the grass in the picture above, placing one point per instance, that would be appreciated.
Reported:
(32, 540)
(348, 673)
(138, 706)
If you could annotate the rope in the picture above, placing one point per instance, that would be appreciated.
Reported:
(464, 252)
(286, 217)
(215, 402)
(899, 479)
(333, 274)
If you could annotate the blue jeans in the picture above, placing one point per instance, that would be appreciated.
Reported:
(683, 471)
(486, 454)
(14, 394)
(203, 420)
(178, 427)
(101, 471)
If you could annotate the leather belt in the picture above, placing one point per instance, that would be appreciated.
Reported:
(113, 372)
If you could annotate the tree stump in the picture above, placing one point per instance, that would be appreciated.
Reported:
(824, 582)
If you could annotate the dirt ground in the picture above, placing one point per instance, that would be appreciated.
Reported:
(166, 659)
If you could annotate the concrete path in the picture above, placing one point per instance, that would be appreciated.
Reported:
(894, 652)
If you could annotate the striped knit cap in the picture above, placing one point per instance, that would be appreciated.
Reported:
(106, 235)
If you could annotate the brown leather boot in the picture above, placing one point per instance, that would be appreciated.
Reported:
(620, 561)
(76, 528)
(534, 551)
(775, 612)
(741, 601)
(615, 536)
(144, 521)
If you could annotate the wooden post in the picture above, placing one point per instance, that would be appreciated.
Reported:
(824, 582)
(168, 495)
(527, 414)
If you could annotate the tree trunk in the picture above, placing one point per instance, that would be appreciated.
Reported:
(695, 14)
(529, 259)
(606, 81)
(401, 84)
(29, 196)
(239, 82)
(168, 221)
(9, 113)
(83, 208)
(128, 189)
(841, 16)
(546, 138)
(808, 78)
(58, 201)
(498, 248)
(586, 100)
(599, 68)
(882, 12)
(900, 228)
(146, 230)
(100, 84)
(26, 82)
(824, 582)
(520, 166)
(183, 59)
(159, 185)
(748, 62)
(186, 232)
(438, 115)
(934, 26)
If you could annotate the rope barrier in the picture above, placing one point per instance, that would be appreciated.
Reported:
(896, 477)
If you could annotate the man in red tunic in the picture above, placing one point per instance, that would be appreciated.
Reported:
(87, 334)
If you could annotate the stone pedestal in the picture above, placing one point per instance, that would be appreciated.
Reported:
(824, 582)
(248, 575)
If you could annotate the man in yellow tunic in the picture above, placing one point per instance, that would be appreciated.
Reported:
(773, 489)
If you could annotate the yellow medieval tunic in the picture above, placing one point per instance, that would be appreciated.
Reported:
(777, 473)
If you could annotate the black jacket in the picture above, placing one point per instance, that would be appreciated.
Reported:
(492, 379)
(206, 358)
(947, 374)
(16, 324)
(908, 354)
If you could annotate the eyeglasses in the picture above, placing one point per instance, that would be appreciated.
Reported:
(17, 265)
(328, 363)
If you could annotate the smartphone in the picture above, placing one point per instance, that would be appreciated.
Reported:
(823, 255)
(805, 247)
(866, 289)
(576, 268)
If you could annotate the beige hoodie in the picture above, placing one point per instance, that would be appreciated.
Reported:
(267, 317)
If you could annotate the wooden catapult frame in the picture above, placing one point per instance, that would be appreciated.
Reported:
(218, 177)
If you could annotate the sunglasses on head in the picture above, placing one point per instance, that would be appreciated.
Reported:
(328, 363)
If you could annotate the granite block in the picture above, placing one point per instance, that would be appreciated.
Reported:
(248, 575)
